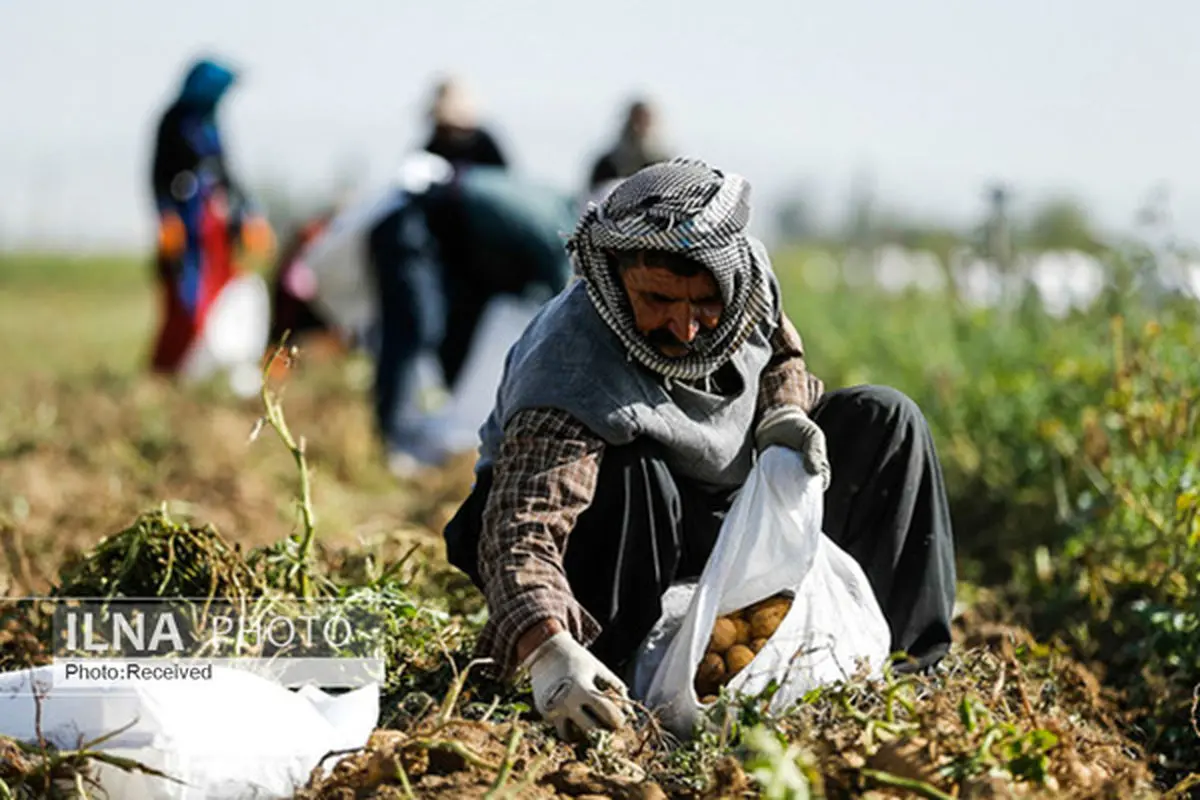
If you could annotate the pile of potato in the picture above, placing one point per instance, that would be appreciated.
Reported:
(735, 640)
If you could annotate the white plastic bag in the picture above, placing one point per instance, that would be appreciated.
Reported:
(238, 735)
(346, 292)
(234, 338)
(771, 542)
(455, 426)
(675, 603)
(338, 258)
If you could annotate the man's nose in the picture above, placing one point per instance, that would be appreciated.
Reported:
(684, 323)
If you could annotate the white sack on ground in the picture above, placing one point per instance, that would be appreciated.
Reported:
(238, 735)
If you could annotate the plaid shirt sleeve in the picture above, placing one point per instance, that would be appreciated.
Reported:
(544, 476)
(786, 379)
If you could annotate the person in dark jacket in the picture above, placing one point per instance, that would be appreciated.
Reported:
(635, 148)
(440, 255)
(203, 212)
(457, 135)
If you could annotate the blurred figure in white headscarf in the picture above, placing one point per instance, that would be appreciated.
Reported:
(637, 146)
(457, 134)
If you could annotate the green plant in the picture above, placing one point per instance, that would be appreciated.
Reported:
(1126, 582)
(784, 770)
(292, 558)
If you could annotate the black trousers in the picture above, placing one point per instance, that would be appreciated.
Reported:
(647, 528)
(426, 305)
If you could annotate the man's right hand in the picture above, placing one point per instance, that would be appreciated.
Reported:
(570, 685)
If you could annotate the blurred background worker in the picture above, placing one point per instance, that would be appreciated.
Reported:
(440, 261)
(637, 146)
(457, 133)
(440, 247)
(203, 213)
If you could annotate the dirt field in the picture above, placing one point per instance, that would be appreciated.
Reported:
(87, 442)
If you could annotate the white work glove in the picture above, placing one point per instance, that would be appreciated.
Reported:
(569, 683)
(789, 426)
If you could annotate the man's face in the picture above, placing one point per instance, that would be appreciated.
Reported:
(671, 310)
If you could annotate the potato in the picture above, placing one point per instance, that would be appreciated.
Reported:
(708, 699)
(765, 621)
(780, 600)
(743, 631)
(724, 635)
(710, 674)
(737, 659)
(736, 638)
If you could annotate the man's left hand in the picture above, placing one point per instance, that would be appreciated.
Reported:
(789, 426)
(571, 687)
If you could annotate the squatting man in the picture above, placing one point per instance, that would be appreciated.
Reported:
(632, 409)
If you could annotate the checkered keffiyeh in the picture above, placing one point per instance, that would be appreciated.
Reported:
(687, 207)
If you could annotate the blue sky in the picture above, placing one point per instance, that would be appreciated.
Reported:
(934, 97)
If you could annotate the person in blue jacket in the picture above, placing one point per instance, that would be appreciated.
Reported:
(204, 214)
(439, 256)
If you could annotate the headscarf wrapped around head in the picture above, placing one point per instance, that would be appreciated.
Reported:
(681, 206)
(205, 84)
